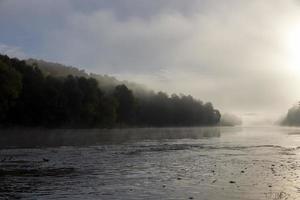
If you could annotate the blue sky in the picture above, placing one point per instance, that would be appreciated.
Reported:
(233, 53)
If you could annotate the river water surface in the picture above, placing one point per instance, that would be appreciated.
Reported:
(168, 163)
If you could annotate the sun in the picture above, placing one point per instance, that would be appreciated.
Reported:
(293, 47)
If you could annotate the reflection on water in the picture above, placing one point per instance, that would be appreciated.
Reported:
(170, 163)
(53, 138)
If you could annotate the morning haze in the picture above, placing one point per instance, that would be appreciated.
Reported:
(150, 99)
(236, 54)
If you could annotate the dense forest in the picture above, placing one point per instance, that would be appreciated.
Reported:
(34, 96)
(293, 117)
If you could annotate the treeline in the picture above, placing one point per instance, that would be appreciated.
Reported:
(292, 118)
(31, 98)
(230, 120)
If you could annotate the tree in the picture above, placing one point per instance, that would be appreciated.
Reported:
(293, 117)
(31, 98)
(126, 104)
(10, 88)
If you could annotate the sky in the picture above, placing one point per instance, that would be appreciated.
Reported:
(243, 56)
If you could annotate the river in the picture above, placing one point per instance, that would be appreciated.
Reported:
(217, 163)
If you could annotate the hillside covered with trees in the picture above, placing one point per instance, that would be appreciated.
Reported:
(31, 96)
(106, 82)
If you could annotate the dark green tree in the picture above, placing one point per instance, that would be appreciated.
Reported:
(126, 107)
(10, 88)
(29, 97)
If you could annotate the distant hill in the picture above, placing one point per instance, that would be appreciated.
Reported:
(106, 83)
(56, 69)
(292, 118)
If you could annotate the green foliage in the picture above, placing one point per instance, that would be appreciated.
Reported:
(10, 87)
(30, 97)
(162, 110)
(126, 108)
(293, 117)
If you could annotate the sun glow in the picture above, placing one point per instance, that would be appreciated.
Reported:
(293, 47)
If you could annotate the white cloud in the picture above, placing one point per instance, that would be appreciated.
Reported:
(229, 52)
